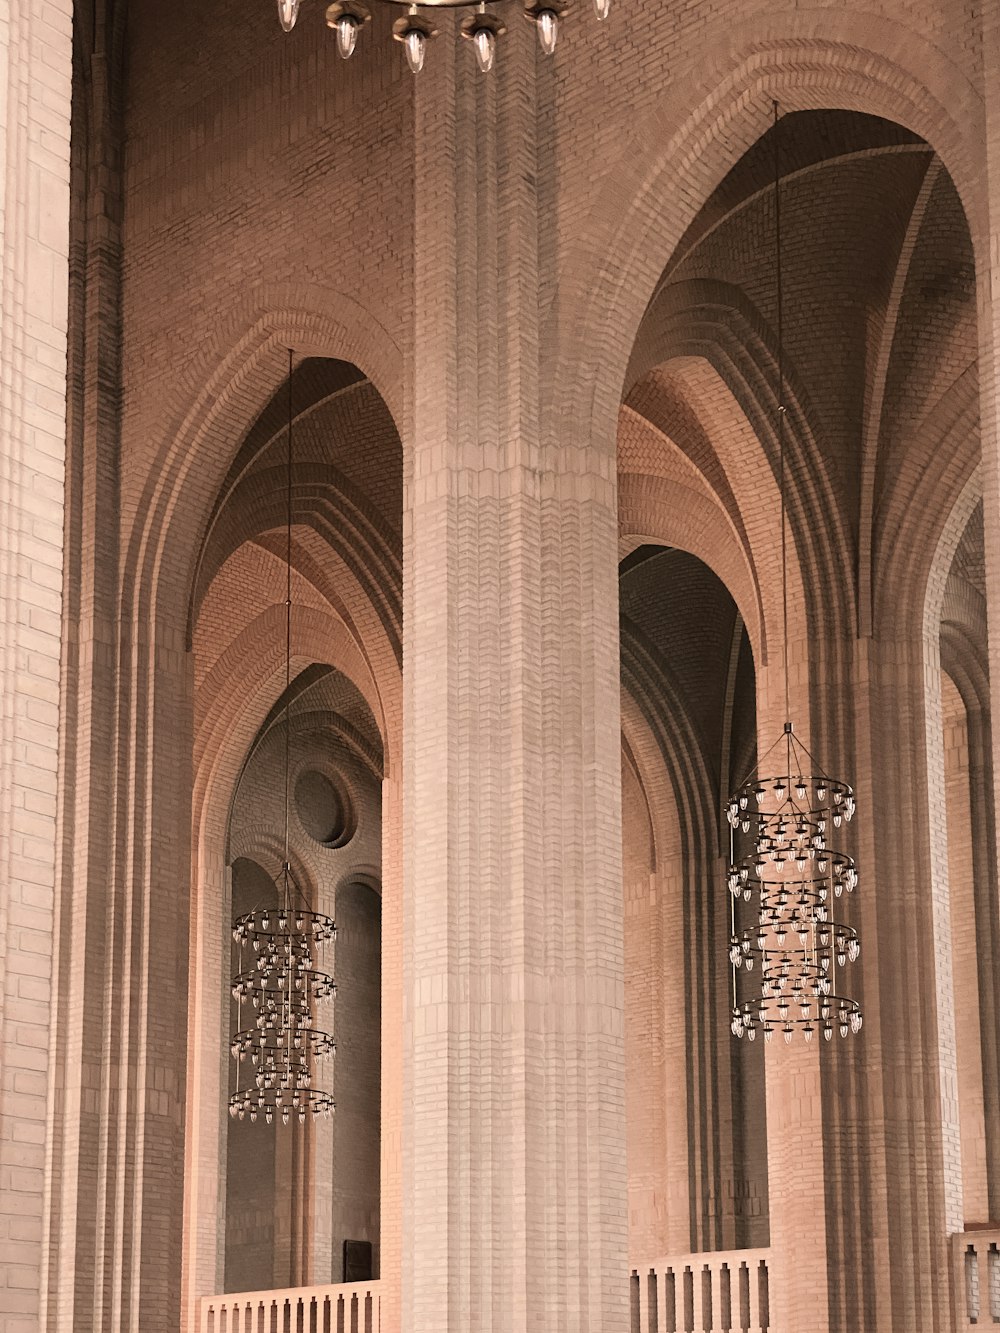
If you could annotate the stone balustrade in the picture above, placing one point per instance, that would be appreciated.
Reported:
(345, 1307)
(719, 1292)
(976, 1255)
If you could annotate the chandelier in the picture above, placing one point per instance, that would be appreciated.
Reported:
(797, 876)
(279, 981)
(414, 29)
(782, 846)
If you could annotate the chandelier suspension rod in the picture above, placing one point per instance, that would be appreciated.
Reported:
(780, 284)
(288, 608)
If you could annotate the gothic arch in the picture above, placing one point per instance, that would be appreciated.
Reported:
(808, 60)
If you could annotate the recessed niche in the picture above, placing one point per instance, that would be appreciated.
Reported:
(324, 809)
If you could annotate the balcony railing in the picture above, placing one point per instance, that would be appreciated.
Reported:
(976, 1256)
(723, 1292)
(347, 1307)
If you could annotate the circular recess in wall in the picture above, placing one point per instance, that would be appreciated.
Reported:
(324, 809)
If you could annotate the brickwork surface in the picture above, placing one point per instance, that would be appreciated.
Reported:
(534, 328)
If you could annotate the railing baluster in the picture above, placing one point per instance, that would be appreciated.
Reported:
(744, 1298)
(971, 1284)
(688, 1314)
(725, 1300)
(652, 1303)
(635, 1313)
(670, 1300)
(707, 1304)
(763, 1297)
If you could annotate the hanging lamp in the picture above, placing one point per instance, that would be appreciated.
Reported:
(279, 981)
(483, 26)
(783, 830)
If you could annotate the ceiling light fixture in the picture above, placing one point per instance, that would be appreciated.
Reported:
(414, 29)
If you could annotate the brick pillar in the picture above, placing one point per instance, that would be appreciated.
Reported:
(894, 1172)
(988, 286)
(114, 1259)
(35, 57)
(864, 1169)
(116, 1146)
(514, 1207)
(796, 1165)
(987, 915)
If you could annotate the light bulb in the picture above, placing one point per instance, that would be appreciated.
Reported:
(484, 43)
(347, 40)
(415, 44)
(548, 30)
(288, 12)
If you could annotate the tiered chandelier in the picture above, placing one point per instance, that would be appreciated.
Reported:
(414, 29)
(796, 876)
(782, 853)
(279, 982)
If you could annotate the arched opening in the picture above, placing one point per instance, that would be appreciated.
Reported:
(695, 1103)
(301, 1204)
(297, 1194)
(881, 438)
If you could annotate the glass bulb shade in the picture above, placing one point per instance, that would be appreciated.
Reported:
(347, 40)
(602, 8)
(485, 45)
(415, 44)
(548, 31)
(288, 12)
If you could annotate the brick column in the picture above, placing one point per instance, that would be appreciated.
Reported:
(891, 1116)
(987, 923)
(864, 1170)
(116, 1142)
(796, 1160)
(988, 289)
(514, 1208)
(35, 60)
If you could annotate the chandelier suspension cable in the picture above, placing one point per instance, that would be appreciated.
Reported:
(288, 608)
(780, 286)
